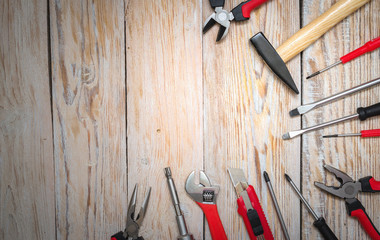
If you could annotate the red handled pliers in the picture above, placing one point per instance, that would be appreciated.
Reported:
(348, 190)
(240, 13)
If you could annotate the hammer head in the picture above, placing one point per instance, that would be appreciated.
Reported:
(273, 60)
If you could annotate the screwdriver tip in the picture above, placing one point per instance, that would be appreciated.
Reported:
(266, 177)
(313, 75)
(330, 136)
(288, 178)
(294, 112)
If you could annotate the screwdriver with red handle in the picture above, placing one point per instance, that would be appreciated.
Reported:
(368, 47)
(363, 134)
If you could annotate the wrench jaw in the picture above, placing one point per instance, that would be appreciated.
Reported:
(202, 192)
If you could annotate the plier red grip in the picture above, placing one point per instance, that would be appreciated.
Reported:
(348, 191)
(239, 13)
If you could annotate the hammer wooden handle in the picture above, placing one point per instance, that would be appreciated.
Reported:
(311, 32)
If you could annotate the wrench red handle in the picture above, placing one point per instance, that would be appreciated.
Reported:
(370, 133)
(242, 210)
(214, 222)
(243, 11)
(368, 47)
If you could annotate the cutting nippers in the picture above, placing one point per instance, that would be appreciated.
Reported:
(240, 13)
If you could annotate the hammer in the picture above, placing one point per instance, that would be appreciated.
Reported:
(276, 59)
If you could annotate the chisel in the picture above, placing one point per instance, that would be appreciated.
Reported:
(363, 134)
(368, 47)
(362, 113)
(319, 222)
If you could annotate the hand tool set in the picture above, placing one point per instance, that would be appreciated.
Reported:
(249, 206)
(362, 113)
(133, 222)
(241, 12)
(319, 222)
(363, 134)
(368, 47)
(283, 226)
(348, 190)
(183, 233)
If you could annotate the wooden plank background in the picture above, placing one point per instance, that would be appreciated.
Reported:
(97, 96)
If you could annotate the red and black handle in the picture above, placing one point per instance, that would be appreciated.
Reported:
(243, 11)
(369, 184)
(214, 222)
(356, 209)
(368, 47)
(254, 220)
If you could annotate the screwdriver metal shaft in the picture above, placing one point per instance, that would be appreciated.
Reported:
(184, 235)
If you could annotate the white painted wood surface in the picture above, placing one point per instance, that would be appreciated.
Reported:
(135, 87)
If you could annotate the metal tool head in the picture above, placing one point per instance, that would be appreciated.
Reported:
(238, 180)
(202, 192)
(223, 18)
(348, 187)
(134, 221)
(273, 59)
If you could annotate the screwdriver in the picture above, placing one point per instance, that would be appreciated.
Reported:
(310, 106)
(319, 222)
(183, 233)
(363, 134)
(362, 113)
(368, 47)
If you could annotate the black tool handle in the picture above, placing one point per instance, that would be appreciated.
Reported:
(367, 112)
(324, 229)
(216, 3)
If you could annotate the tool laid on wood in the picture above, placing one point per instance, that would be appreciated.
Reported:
(283, 226)
(320, 222)
(240, 13)
(368, 47)
(362, 113)
(363, 134)
(133, 225)
(276, 59)
(348, 190)
(204, 194)
(183, 233)
(249, 206)
(308, 107)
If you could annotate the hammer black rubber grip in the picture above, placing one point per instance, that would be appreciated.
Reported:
(368, 112)
(324, 229)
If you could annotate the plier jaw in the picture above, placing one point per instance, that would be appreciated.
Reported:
(223, 18)
(348, 187)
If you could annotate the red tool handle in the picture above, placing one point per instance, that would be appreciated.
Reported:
(369, 184)
(242, 210)
(214, 222)
(248, 6)
(370, 133)
(368, 47)
(366, 223)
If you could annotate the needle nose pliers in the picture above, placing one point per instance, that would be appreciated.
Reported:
(240, 13)
(348, 191)
(133, 222)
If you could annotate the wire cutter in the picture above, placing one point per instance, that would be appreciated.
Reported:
(133, 225)
(348, 190)
(240, 13)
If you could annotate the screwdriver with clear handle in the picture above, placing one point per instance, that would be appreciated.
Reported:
(368, 47)
(363, 134)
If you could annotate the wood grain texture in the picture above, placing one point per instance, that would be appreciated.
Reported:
(88, 68)
(357, 157)
(245, 114)
(165, 113)
(27, 208)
